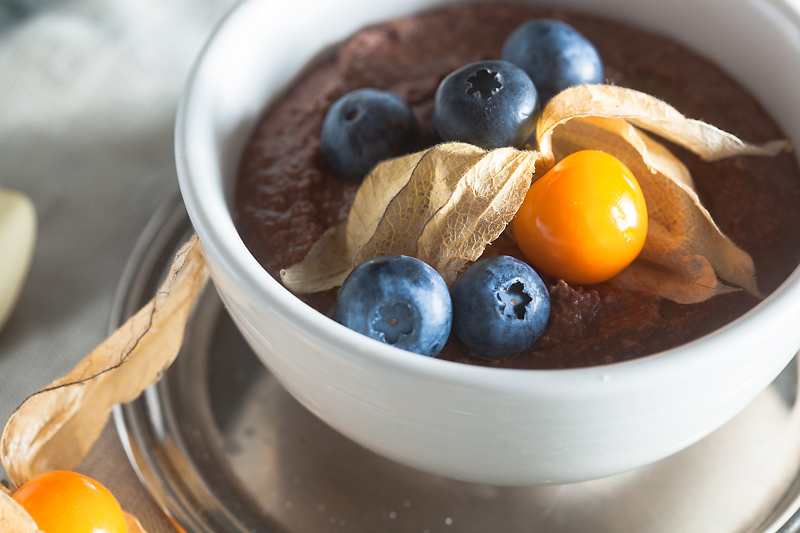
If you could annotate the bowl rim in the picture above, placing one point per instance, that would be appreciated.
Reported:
(237, 262)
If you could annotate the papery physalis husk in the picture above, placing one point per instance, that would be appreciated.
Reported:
(13, 517)
(442, 205)
(133, 524)
(55, 428)
(685, 254)
(445, 204)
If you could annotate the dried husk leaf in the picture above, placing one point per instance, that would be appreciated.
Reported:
(684, 251)
(442, 205)
(133, 524)
(55, 428)
(685, 254)
(648, 113)
(13, 517)
(330, 258)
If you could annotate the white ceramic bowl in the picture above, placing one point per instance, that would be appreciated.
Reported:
(508, 427)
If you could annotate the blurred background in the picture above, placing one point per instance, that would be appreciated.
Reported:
(88, 94)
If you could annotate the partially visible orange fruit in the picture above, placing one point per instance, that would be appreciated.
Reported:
(583, 221)
(68, 502)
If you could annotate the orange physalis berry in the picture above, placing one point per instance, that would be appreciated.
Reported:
(583, 221)
(67, 502)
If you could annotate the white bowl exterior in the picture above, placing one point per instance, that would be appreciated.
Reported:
(508, 427)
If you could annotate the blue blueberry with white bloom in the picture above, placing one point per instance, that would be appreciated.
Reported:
(398, 300)
(500, 306)
(490, 104)
(554, 55)
(365, 127)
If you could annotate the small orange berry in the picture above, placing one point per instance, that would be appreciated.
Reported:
(583, 221)
(68, 502)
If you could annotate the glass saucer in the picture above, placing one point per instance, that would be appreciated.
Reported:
(223, 448)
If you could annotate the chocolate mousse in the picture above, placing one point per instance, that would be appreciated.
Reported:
(287, 194)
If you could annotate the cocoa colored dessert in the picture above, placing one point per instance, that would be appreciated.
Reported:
(287, 194)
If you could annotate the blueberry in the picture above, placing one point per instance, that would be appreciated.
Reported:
(490, 104)
(554, 55)
(364, 127)
(398, 300)
(500, 306)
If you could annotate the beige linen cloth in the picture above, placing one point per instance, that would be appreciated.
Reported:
(88, 94)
